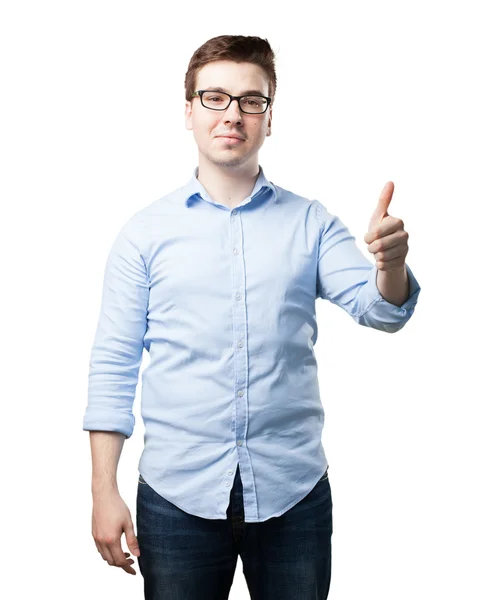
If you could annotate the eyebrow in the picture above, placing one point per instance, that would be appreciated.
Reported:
(220, 89)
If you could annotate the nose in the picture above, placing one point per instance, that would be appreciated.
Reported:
(233, 112)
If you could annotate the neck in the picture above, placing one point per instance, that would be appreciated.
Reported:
(229, 186)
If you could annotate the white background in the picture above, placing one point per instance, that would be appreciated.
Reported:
(92, 130)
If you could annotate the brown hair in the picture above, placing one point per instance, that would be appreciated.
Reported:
(237, 48)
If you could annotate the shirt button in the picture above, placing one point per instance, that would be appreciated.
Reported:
(235, 211)
(235, 251)
(228, 483)
(239, 443)
(241, 393)
(230, 472)
(240, 344)
(238, 296)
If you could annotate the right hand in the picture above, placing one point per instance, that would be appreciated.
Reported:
(110, 518)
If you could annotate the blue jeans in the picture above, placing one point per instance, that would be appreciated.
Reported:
(186, 557)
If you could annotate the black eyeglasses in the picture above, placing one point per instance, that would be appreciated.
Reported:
(250, 104)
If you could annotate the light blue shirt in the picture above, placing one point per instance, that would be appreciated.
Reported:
(224, 302)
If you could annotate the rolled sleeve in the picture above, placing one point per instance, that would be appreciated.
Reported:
(118, 343)
(381, 314)
(347, 278)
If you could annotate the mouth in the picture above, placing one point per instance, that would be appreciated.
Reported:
(231, 140)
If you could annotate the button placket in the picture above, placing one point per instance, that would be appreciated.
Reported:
(240, 356)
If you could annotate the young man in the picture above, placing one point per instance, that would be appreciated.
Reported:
(218, 281)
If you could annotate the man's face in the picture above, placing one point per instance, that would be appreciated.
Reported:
(208, 125)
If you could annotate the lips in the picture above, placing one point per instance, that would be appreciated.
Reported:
(231, 141)
(231, 137)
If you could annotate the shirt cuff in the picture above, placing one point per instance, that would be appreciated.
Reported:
(380, 313)
(104, 419)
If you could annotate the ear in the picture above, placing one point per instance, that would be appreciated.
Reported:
(268, 132)
(188, 116)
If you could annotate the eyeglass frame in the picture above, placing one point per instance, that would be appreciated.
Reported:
(200, 93)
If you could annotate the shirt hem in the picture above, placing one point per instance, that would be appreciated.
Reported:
(195, 514)
(224, 518)
(293, 503)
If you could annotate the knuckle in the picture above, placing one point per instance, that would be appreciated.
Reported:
(108, 540)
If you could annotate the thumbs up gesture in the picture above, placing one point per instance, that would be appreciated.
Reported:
(386, 237)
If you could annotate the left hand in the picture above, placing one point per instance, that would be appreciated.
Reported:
(386, 237)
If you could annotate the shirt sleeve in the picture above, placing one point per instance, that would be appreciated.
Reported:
(347, 278)
(118, 343)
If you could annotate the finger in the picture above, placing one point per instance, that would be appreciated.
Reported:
(395, 252)
(395, 264)
(388, 225)
(381, 210)
(119, 558)
(385, 196)
(129, 569)
(131, 539)
(126, 566)
(384, 200)
(389, 241)
(117, 553)
(130, 561)
(105, 552)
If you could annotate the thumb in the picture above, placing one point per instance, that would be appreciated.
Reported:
(131, 539)
(381, 209)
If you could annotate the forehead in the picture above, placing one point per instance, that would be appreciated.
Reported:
(233, 77)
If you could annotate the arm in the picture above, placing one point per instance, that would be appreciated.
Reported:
(393, 286)
(106, 447)
(347, 278)
(118, 345)
(110, 516)
(114, 365)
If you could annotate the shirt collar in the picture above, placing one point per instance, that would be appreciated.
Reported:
(194, 187)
